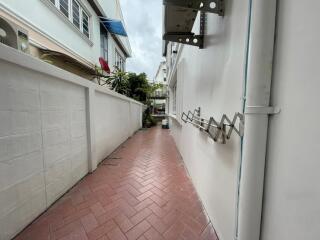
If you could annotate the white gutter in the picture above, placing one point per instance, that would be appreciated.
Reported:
(257, 100)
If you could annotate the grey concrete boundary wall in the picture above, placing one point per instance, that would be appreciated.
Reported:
(55, 127)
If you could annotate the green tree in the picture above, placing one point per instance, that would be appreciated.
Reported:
(138, 87)
(118, 82)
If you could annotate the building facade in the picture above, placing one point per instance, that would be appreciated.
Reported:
(258, 59)
(70, 33)
(160, 96)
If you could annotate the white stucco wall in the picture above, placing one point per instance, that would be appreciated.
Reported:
(292, 191)
(161, 74)
(50, 132)
(115, 121)
(212, 79)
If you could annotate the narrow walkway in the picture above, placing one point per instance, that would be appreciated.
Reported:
(141, 192)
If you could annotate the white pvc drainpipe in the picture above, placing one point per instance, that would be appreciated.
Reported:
(258, 82)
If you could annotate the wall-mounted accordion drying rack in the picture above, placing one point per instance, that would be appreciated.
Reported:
(219, 131)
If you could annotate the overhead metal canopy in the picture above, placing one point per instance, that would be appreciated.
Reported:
(114, 26)
(179, 18)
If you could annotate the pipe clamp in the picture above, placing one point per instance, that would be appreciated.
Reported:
(262, 110)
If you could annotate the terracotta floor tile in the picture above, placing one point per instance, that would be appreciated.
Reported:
(157, 223)
(101, 230)
(123, 222)
(97, 209)
(142, 191)
(138, 230)
(142, 238)
(116, 234)
(104, 238)
(67, 230)
(140, 216)
(142, 205)
(152, 234)
(89, 222)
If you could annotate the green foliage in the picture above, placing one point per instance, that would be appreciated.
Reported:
(118, 82)
(147, 119)
(154, 87)
(138, 87)
(135, 86)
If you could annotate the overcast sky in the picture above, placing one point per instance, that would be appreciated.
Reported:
(143, 20)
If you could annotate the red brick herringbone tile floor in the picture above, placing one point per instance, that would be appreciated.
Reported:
(141, 192)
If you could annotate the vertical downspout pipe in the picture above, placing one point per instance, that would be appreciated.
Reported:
(259, 75)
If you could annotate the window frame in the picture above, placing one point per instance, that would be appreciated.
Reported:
(176, 86)
(104, 51)
(84, 13)
(62, 9)
(79, 14)
(119, 61)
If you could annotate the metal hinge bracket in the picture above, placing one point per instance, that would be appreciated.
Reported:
(185, 38)
(210, 6)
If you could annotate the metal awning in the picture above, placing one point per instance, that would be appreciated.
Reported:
(114, 26)
(180, 15)
(47, 54)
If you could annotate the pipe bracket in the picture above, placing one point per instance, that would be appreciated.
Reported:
(262, 110)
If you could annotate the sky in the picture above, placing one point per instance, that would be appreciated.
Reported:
(143, 19)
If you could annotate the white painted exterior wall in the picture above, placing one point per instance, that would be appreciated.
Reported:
(292, 191)
(161, 75)
(213, 78)
(51, 134)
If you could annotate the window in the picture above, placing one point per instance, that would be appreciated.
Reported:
(176, 91)
(64, 7)
(73, 10)
(76, 14)
(119, 61)
(104, 46)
